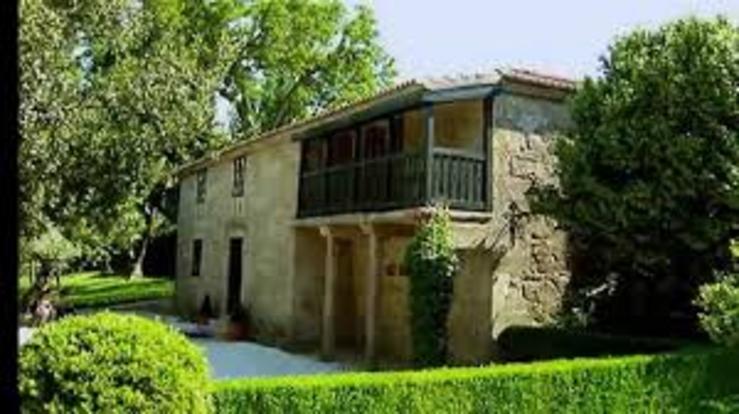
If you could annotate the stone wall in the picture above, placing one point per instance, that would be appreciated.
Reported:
(393, 319)
(200, 221)
(262, 217)
(531, 274)
(513, 270)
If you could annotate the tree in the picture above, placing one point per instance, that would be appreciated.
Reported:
(431, 264)
(648, 178)
(122, 92)
(48, 85)
(296, 58)
(141, 105)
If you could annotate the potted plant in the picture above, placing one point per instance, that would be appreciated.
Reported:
(238, 326)
(206, 312)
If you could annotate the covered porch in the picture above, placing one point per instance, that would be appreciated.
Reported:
(351, 293)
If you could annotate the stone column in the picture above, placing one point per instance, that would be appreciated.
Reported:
(371, 275)
(327, 332)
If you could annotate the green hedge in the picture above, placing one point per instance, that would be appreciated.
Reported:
(112, 363)
(682, 382)
(523, 343)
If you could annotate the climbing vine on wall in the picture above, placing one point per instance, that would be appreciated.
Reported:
(431, 263)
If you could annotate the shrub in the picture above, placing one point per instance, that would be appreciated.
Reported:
(647, 184)
(112, 363)
(431, 264)
(523, 343)
(720, 315)
(682, 382)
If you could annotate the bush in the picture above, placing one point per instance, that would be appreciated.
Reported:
(431, 264)
(720, 315)
(682, 382)
(646, 179)
(523, 343)
(111, 363)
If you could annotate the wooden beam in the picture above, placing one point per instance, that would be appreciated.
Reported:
(460, 93)
(371, 276)
(327, 331)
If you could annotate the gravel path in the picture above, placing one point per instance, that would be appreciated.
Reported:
(248, 359)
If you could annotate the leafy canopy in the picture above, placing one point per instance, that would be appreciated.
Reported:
(116, 94)
(298, 57)
(649, 177)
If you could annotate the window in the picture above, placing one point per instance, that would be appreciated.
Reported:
(375, 140)
(238, 181)
(313, 154)
(341, 148)
(202, 179)
(197, 256)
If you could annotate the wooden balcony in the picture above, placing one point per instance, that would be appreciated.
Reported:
(399, 178)
(396, 181)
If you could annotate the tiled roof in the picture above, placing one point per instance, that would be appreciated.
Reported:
(529, 76)
(489, 78)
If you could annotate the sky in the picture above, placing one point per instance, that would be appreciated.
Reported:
(563, 37)
(431, 38)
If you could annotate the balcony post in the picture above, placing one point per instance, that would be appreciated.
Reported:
(327, 331)
(428, 112)
(371, 275)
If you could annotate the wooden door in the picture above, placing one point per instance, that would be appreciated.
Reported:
(234, 274)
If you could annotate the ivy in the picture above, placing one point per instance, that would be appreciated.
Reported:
(431, 263)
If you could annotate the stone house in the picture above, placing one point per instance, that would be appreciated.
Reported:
(306, 225)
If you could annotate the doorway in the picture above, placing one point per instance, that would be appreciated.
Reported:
(235, 254)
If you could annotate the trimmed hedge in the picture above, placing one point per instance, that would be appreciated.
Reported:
(112, 363)
(524, 343)
(689, 381)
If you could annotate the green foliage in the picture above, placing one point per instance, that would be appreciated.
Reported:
(117, 93)
(683, 382)
(523, 343)
(298, 57)
(112, 363)
(719, 302)
(53, 250)
(93, 289)
(431, 263)
(110, 106)
(649, 188)
(48, 82)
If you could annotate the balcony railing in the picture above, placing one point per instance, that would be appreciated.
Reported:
(394, 181)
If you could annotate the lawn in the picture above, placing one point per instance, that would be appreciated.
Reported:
(94, 289)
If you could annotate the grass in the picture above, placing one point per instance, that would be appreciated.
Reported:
(94, 289)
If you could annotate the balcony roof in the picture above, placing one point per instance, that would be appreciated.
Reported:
(399, 96)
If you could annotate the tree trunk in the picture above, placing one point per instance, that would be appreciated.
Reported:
(138, 267)
(58, 277)
(32, 273)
